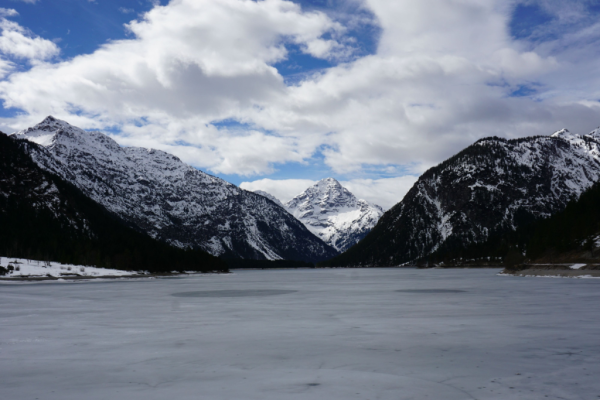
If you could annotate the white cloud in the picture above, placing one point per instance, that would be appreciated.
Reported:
(440, 79)
(7, 12)
(283, 189)
(18, 42)
(190, 63)
(383, 192)
(5, 67)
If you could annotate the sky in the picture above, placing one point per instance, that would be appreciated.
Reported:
(276, 95)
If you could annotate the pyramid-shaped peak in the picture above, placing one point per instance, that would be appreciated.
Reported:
(51, 121)
(326, 190)
(328, 182)
(328, 187)
(49, 124)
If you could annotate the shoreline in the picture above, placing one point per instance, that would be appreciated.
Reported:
(573, 273)
(85, 278)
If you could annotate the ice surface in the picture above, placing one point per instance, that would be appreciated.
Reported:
(344, 334)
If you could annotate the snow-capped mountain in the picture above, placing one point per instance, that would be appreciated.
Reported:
(492, 186)
(42, 217)
(334, 214)
(157, 193)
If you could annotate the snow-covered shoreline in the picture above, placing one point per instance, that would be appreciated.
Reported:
(24, 268)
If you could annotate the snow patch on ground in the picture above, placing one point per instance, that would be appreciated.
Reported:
(33, 268)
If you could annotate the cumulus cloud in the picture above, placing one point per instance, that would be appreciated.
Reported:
(445, 73)
(190, 63)
(283, 189)
(18, 42)
(384, 192)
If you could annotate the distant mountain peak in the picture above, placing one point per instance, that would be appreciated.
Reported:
(334, 214)
(327, 192)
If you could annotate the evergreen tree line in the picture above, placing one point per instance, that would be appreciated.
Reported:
(83, 232)
(566, 236)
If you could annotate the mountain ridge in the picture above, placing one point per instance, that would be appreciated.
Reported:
(158, 194)
(492, 186)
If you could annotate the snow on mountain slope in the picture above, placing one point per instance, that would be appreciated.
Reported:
(157, 193)
(494, 185)
(270, 197)
(334, 214)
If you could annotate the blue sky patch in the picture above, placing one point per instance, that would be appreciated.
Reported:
(527, 19)
(80, 27)
(299, 64)
(524, 90)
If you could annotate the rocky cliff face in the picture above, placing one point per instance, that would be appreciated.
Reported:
(492, 186)
(157, 193)
(334, 214)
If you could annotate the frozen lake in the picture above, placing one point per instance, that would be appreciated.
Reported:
(303, 334)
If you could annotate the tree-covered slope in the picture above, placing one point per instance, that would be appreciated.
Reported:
(570, 235)
(573, 233)
(45, 218)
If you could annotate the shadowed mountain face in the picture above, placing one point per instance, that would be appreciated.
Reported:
(493, 186)
(157, 193)
(42, 217)
(334, 214)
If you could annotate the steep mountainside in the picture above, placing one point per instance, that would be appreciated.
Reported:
(157, 193)
(493, 186)
(270, 197)
(568, 236)
(45, 218)
(334, 214)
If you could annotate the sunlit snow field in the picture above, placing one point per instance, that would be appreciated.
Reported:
(303, 334)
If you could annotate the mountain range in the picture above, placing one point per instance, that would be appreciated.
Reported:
(482, 194)
(156, 193)
(493, 186)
